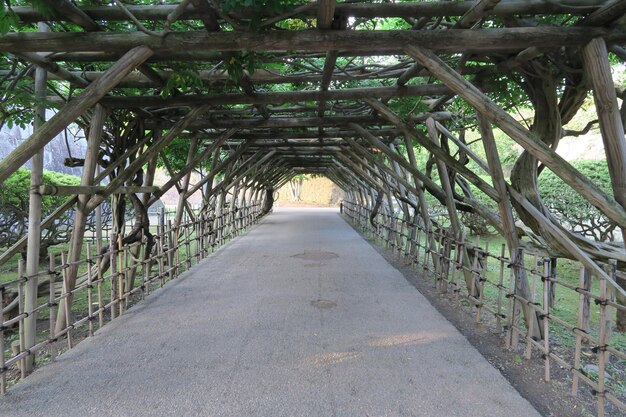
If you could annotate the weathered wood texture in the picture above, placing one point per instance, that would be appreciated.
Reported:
(408, 9)
(520, 134)
(461, 40)
(72, 110)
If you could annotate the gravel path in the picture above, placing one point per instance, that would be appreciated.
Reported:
(299, 317)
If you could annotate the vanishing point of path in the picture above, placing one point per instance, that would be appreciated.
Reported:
(299, 317)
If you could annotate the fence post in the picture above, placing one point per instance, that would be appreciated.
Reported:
(548, 292)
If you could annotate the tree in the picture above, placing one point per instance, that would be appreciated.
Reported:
(295, 186)
(573, 211)
(14, 195)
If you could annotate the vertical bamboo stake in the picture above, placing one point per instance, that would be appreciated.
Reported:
(20, 294)
(476, 282)
(458, 270)
(100, 281)
(587, 299)
(161, 258)
(146, 272)
(499, 315)
(52, 303)
(187, 247)
(113, 274)
(427, 250)
(552, 292)
(90, 288)
(66, 300)
(438, 266)
(512, 337)
(531, 304)
(3, 374)
(445, 271)
(198, 237)
(415, 261)
(548, 287)
(577, 351)
(604, 336)
(126, 252)
(482, 278)
(120, 275)
(172, 250)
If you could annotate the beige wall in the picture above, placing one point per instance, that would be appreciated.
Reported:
(315, 191)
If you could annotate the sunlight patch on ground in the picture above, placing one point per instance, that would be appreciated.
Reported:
(408, 339)
(330, 358)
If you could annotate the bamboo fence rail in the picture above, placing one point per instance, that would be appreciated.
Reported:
(108, 295)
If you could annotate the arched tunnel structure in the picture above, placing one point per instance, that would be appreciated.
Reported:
(408, 107)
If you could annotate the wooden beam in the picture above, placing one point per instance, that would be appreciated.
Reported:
(175, 178)
(358, 10)
(151, 152)
(17, 246)
(54, 68)
(606, 14)
(461, 40)
(69, 11)
(230, 159)
(280, 122)
(520, 134)
(48, 189)
(434, 189)
(567, 243)
(72, 110)
(475, 14)
(81, 215)
(473, 288)
(433, 147)
(411, 72)
(209, 78)
(327, 74)
(276, 97)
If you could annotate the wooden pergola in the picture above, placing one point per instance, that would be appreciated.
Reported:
(258, 130)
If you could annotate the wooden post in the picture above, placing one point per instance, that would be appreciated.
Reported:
(547, 286)
(604, 338)
(113, 273)
(34, 220)
(90, 288)
(508, 221)
(596, 64)
(3, 371)
(472, 287)
(581, 326)
(80, 217)
(499, 314)
(20, 310)
(65, 301)
(53, 304)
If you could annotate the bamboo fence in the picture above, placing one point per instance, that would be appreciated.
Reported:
(107, 294)
(499, 304)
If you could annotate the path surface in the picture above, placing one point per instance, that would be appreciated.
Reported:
(299, 317)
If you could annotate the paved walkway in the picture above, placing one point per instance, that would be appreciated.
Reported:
(299, 317)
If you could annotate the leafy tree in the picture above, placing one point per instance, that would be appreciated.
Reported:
(14, 196)
(571, 209)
